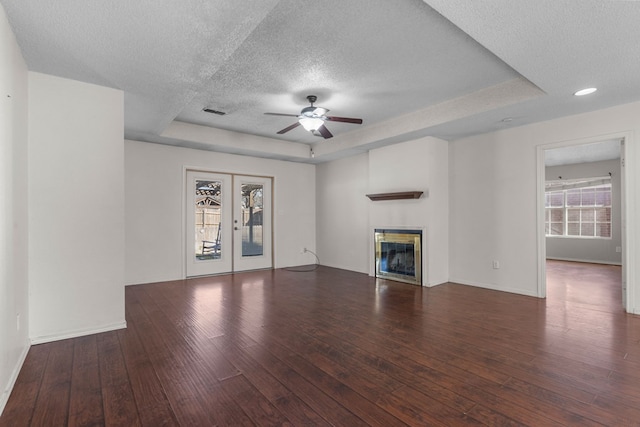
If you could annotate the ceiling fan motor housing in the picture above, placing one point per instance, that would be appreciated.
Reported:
(312, 111)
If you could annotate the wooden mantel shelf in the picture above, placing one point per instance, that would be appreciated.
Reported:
(395, 196)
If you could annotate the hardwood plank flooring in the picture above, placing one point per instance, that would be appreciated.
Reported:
(332, 347)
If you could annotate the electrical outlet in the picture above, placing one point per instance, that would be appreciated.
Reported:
(496, 264)
(18, 322)
(303, 250)
(618, 249)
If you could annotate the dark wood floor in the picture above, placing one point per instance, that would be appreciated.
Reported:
(331, 347)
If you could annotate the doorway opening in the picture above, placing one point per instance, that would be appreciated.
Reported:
(581, 221)
(228, 225)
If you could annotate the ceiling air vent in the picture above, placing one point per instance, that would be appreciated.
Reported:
(209, 110)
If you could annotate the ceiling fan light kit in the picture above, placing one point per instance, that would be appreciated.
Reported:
(312, 119)
(311, 123)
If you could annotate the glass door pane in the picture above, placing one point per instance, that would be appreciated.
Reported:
(207, 220)
(252, 223)
(252, 216)
(208, 223)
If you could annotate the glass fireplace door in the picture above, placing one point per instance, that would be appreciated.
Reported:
(398, 255)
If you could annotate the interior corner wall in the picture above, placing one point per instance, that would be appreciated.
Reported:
(346, 217)
(603, 251)
(14, 296)
(493, 180)
(342, 228)
(155, 193)
(76, 208)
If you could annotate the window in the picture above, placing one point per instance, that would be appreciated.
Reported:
(578, 211)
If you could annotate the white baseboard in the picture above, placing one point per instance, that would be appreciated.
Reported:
(78, 333)
(14, 376)
(588, 261)
(494, 287)
(436, 282)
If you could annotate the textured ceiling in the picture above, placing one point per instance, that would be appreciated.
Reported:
(583, 153)
(410, 68)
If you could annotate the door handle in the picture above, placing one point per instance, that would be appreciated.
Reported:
(235, 228)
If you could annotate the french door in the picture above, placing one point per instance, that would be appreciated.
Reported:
(228, 223)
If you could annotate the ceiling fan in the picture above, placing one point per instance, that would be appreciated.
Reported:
(313, 118)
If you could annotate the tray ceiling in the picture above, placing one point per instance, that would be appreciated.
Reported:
(410, 68)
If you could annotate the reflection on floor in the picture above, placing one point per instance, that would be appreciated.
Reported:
(585, 286)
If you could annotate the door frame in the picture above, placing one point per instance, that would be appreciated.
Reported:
(184, 211)
(628, 212)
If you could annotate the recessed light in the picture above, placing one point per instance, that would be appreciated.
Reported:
(586, 91)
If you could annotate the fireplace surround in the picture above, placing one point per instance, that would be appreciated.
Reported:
(398, 255)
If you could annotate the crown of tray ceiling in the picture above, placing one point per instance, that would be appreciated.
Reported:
(409, 69)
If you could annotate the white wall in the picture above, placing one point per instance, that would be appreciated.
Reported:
(346, 218)
(154, 178)
(76, 208)
(494, 198)
(584, 249)
(14, 339)
(342, 224)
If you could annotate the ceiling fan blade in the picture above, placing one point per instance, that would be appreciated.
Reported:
(324, 132)
(345, 120)
(288, 128)
(281, 114)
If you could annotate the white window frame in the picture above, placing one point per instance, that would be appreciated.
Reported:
(564, 187)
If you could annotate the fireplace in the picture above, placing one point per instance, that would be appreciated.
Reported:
(399, 255)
